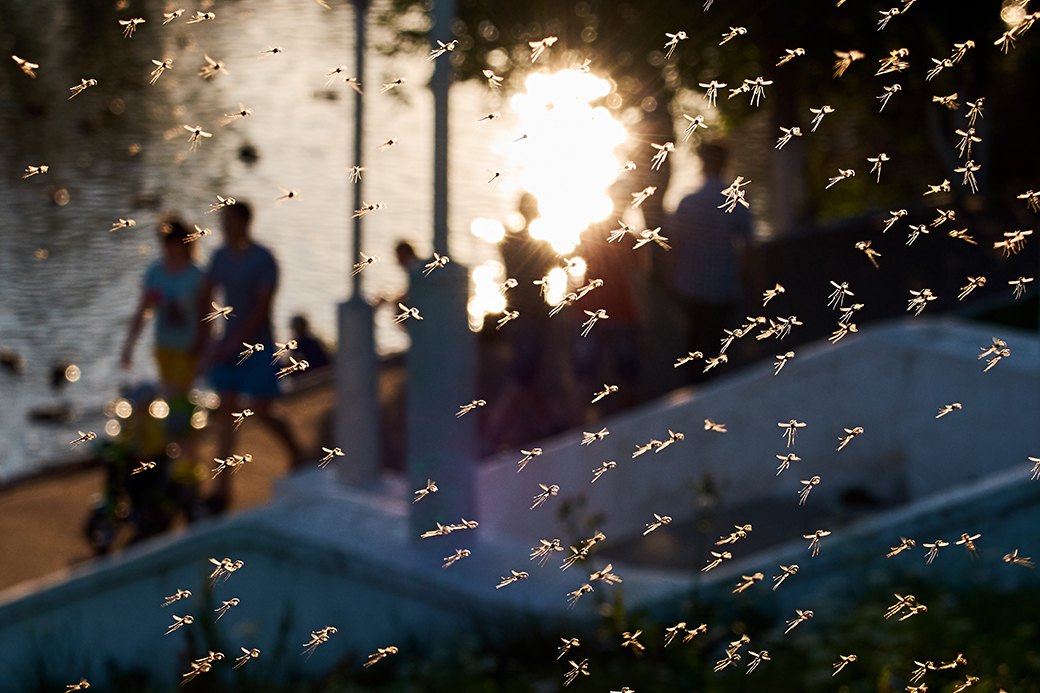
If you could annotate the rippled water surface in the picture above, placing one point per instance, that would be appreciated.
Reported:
(74, 305)
(68, 286)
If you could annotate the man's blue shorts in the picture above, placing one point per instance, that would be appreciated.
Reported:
(255, 377)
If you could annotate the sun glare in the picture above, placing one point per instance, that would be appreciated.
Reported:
(557, 286)
(490, 230)
(563, 153)
(1013, 12)
(567, 158)
(485, 296)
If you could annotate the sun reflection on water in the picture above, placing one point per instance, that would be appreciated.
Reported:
(485, 296)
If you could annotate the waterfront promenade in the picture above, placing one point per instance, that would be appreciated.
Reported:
(41, 519)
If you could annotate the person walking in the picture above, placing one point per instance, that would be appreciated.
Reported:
(171, 290)
(246, 274)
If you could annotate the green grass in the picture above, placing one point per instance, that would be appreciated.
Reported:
(996, 631)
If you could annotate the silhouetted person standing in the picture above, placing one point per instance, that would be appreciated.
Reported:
(709, 246)
(527, 260)
(246, 273)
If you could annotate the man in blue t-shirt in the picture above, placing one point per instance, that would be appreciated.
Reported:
(246, 274)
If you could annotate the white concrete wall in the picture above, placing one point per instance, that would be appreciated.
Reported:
(327, 555)
(890, 379)
(287, 588)
(322, 555)
(1003, 508)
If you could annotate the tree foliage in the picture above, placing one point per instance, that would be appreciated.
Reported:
(625, 41)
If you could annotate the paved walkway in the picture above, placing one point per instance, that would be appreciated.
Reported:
(41, 520)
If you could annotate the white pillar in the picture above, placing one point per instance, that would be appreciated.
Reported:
(441, 377)
(442, 358)
(356, 417)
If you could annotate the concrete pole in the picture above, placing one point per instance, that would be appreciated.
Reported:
(360, 17)
(440, 84)
(356, 419)
(442, 357)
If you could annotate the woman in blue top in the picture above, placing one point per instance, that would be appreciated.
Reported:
(172, 287)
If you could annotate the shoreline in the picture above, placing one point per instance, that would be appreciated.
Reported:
(49, 507)
(73, 463)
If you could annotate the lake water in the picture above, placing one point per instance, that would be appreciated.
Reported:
(74, 305)
(119, 150)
